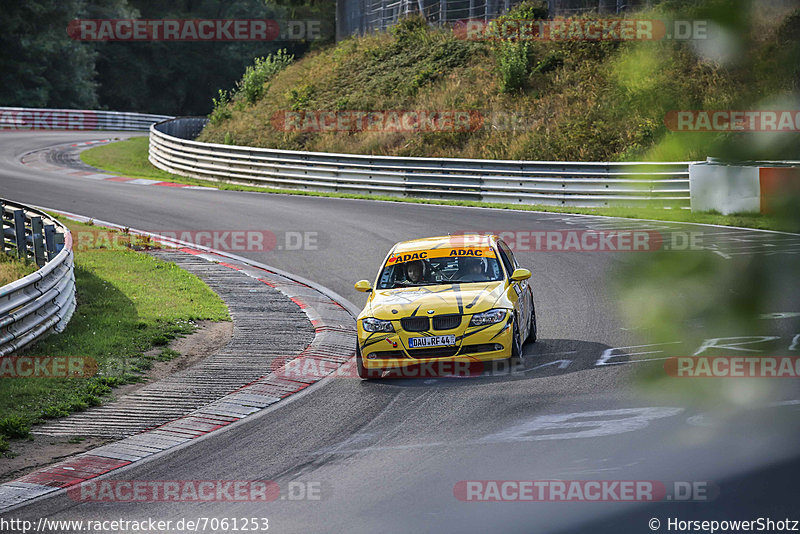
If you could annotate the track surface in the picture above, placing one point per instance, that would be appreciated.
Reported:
(388, 454)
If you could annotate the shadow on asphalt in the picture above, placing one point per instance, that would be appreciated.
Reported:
(545, 358)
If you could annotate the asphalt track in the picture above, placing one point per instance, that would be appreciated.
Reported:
(388, 454)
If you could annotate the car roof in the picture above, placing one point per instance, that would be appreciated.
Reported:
(460, 240)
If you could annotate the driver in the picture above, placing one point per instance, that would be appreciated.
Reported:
(472, 269)
(414, 270)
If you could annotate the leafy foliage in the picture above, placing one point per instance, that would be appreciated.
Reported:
(41, 66)
(33, 48)
(514, 65)
(221, 110)
(564, 99)
(251, 86)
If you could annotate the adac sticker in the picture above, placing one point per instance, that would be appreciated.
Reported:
(474, 252)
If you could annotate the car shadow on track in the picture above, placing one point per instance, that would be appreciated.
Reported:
(545, 358)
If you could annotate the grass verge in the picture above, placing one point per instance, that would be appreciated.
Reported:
(12, 269)
(128, 303)
(129, 158)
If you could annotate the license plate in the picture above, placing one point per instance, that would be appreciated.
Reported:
(431, 341)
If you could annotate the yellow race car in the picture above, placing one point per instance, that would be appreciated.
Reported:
(456, 299)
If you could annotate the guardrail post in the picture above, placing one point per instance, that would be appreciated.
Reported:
(59, 241)
(37, 231)
(49, 241)
(19, 234)
(2, 229)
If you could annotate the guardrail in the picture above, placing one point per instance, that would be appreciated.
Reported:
(75, 119)
(42, 301)
(173, 149)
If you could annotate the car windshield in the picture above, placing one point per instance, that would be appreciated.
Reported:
(445, 270)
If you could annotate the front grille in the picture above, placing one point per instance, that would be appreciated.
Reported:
(483, 347)
(443, 352)
(446, 322)
(414, 324)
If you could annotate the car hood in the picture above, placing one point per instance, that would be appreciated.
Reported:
(467, 298)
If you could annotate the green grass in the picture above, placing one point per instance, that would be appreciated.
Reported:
(166, 355)
(129, 158)
(12, 269)
(128, 303)
(14, 426)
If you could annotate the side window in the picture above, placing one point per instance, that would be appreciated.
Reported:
(507, 262)
(507, 252)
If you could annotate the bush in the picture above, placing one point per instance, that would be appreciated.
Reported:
(515, 59)
(251, 86)
(300, 98)
(514, 65)
(551, 61)
(221, 111)
(529, 10)
(411, 29)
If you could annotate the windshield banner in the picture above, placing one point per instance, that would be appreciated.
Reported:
(457, 252)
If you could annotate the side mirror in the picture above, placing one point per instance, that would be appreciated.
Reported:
(520, 274)
(365, 287)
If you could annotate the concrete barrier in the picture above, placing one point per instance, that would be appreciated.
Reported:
(729, 189)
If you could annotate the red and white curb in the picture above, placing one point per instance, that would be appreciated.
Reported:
(37, 160)
(334, 342)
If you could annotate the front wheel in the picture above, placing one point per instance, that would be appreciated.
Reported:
(516, 343)
(532, 334)
(363, 372)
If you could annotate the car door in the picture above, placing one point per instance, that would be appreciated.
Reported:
(524, 304)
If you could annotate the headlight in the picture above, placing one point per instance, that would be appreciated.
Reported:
(377, 325)
(488, 317)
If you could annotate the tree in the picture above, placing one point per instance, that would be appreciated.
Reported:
(40, 66)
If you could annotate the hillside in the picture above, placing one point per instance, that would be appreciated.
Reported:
(531, 99)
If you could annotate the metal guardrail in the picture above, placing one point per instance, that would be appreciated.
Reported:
(75, 119)
(551, 183)
(42, 301)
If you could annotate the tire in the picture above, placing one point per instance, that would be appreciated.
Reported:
(516, 343)
(363, 372)
(532, 334)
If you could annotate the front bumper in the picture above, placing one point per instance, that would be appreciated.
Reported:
(389, 350)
